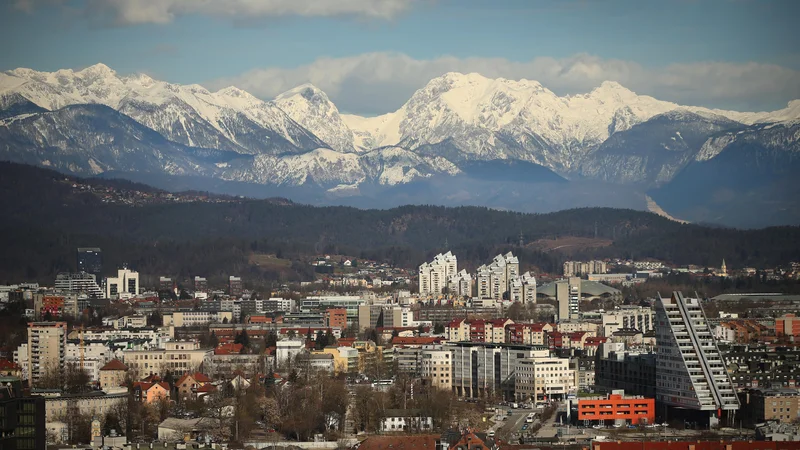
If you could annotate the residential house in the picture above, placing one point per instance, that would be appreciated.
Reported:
(112, 374)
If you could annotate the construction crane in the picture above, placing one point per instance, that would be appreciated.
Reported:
(81, 346)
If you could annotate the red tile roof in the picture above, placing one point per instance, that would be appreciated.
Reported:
(9, 365)
(114, 364)
(413, 340)
(197, 377)
(228, 348)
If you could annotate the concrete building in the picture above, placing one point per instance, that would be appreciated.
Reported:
(195, 318)
(287, 350)
(433, 276)
(437, 368)
(460, 284)
(112, 374)
(568, 298)
(617, 408)
(176, 356)
(543, 378)
(125, 284)
(481, 369)
(55, 305)
(405, 420)
(235, 286)
(633, 372)
(522, 289)
(494, 279)
(690, 371)
(46, 347)
(79, 283)
(787, 325)
(335, 318)
(638, 318)
(528, 333)
(760, 405)
(582, 268)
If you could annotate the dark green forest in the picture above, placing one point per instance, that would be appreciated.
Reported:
(44, 221)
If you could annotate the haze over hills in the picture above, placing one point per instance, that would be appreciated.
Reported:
(449, 144)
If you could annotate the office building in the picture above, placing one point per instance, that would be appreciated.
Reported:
(78, 282)
(480, 369)
(618, 369)
(617, 408)
(22, 417)
(690, 371)
(90, 260)
(434, 276)
(175, 357)
(543, 378)
(47, 343)
(235, 287)
(335, 318)
(125, 284)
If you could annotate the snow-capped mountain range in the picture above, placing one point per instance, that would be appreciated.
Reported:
(301, 139)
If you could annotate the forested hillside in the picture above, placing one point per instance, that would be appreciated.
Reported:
(45, 219)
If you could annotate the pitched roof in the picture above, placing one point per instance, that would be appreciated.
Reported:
(228, 348)
(9, 365)
(144, 386)
(197, 376)
(114, 364)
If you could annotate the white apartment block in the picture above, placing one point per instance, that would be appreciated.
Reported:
(568, 298)
(287, 350)
(690, 371)
(437, 368)
(460, 284)
(176, 357)
(495, 278)
(125, 284)
(544, 378)
(639, 318)
(433, 276)
(480, 369)
(579, 268)
(522, 289)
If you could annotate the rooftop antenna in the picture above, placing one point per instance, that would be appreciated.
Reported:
(521, 239)
(446, 244)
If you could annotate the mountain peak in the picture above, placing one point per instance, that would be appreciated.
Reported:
(98, 69)
(233, 91)
(305, 90)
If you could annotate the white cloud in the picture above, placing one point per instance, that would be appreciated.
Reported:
(374, 83)
(132, 12)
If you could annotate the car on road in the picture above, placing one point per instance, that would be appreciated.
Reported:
(524, 426)
(597, 427)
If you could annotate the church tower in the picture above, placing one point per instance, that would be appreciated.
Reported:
(723, 269)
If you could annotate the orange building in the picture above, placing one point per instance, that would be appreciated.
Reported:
(633, 409)
(336, 318)
(787, 325)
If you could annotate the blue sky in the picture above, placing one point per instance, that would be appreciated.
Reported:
(735, 54)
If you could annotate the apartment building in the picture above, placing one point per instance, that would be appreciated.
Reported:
(481, 369)
(494, 279)
(528, 333)
(437, 368)
(460, 284)
(543, 378)
(787, 325)
(477, 330)
(782, 405)
(433, 276)
(47, 343)
(617, 369)
(638, 318)
(522, 289)
(176, 356)
(195, 318)
(568, 298)
(690, 371)
(580, 268)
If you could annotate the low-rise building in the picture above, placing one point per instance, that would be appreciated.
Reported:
(112, 374)
(617, 407)
(406, 420)
(177, 356)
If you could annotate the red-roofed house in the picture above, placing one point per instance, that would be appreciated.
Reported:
(112, 374)
(228, 348)
(10, 369)
(457, 330)
(498, 330)
(205, 390)
(527, 333)
(150, 392)
(188, 384)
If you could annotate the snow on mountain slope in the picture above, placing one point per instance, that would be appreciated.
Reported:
(229, 120)
(321, 167)
(394, 165)
(312, 109)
